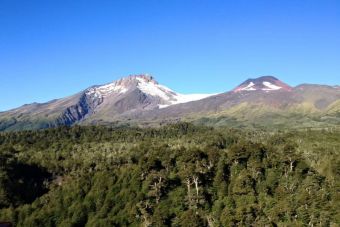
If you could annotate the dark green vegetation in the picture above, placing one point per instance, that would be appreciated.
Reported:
(180, 175)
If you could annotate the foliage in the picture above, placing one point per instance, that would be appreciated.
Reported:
(179, 175)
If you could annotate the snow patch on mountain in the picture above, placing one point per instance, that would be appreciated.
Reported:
(249, 87)
(265, 83)
(105, 90)
(270, 86)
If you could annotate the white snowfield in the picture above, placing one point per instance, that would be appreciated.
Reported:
(181, 98)
(167, 94)
(268, 87)
(104, 90)
(249, 87)
(151, 88)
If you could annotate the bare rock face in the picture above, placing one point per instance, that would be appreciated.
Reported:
(84, 107)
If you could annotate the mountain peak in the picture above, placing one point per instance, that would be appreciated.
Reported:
(266, 77)
(263, 83)
(121, 86)
(134, 79)
(147, 77)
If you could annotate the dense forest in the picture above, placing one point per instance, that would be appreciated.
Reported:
(177, 175)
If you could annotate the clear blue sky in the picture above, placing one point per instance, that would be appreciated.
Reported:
(51, 49)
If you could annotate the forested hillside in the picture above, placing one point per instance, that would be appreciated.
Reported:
(178, 175)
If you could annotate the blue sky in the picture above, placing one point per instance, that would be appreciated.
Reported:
(51, 49)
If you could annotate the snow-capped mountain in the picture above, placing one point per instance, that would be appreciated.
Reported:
(265, 83)
(148, 86)
(141, 99)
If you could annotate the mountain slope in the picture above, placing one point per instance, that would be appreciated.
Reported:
(131, 94)
(264, 101)
(139, 99)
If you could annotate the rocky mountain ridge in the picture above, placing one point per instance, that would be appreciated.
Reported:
(140, 99)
